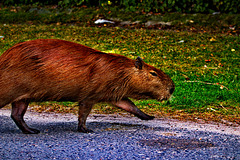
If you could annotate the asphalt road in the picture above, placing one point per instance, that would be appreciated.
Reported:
(116, 137)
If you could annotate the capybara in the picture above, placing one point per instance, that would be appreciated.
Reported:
(58, 70)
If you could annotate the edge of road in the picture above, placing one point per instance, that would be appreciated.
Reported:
(128, 119)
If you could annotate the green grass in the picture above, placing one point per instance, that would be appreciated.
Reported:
(205, 66)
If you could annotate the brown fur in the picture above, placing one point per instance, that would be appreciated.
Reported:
(47, 70)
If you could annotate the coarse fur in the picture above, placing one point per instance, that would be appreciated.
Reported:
(58, 70)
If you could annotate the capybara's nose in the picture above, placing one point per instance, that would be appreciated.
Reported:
(171, 90)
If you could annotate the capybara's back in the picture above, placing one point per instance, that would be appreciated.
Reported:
(43, 70)
(57, 70)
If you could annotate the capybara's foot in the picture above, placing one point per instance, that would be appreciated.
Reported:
(146, 117)
(84, 130)
(31, 131)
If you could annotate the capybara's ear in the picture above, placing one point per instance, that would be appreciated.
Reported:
(139, 63)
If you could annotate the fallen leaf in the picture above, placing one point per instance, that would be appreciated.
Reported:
(213, 39)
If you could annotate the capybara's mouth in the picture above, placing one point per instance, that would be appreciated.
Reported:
(149, 95)
(163, 98)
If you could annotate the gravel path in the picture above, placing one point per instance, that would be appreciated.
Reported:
(116, 137)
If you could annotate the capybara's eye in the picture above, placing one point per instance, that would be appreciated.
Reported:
(153, 73)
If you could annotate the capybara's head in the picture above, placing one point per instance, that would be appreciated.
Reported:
(150, 83)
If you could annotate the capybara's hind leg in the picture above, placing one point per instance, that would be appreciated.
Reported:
(18, 110)
(83, 112)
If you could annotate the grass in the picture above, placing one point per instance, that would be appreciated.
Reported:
(204, 65)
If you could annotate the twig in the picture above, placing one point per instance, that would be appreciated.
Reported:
(223, 107)
(216, 84)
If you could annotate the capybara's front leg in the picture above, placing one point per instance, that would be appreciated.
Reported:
(18, 110)
(129, 106)
(83, 112)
